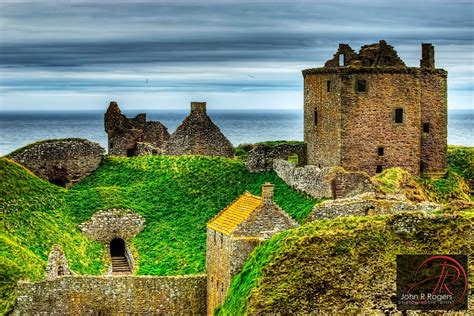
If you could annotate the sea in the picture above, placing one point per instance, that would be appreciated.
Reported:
(18, 129)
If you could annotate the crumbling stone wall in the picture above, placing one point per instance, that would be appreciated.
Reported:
(327, 182)
(261, 157)
(90, 295)
(367, 204)
(124, 133)
(350, 112)
(57, 264)
(62, 161)
(198, 135)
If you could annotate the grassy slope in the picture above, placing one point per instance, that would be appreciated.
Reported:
(340, 264)
(177, 197)
(34, 220)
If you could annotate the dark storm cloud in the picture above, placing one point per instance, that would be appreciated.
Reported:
(41, 40)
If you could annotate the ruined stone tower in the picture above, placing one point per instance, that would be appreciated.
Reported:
(125, 133)
(368, 111)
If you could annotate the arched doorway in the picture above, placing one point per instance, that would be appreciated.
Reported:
(117, 247)
(120, 263)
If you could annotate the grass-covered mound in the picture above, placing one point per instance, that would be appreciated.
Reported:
(177, 196)
(33, 219)
(345, 265)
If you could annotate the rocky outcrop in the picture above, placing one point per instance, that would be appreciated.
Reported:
(62, 162)
(368, 204)
(261, 157)
(125, 133)
(198, 135)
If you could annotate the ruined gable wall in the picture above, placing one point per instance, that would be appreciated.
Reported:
(434, 111)
(323, 140)
(368, 121)
(91, 295)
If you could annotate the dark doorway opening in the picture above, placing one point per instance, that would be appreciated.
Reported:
(130, 152)
(117, 247)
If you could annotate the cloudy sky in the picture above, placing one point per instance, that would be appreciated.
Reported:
(232, 54)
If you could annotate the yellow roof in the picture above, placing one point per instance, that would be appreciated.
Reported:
(235, 213)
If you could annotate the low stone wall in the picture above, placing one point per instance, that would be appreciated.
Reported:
(89, 295)
(367, 204)
(309, 179)
(261, 157)
(334, 182)
(62, 161)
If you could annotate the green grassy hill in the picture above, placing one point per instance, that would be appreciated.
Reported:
(33, 219)
(346, 264)
(177, 196)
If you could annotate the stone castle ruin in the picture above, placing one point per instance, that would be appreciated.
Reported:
(368, 111)
(124, 134)
(197, 135)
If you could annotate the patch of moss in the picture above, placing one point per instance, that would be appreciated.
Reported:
(399, 181)
(345, 264)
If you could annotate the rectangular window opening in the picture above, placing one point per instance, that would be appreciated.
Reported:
(342, 60)
(398, 115)
(315, 118)
(328, 86)
(381, 151)
(378, 169)
(361, 85)
(426, 127)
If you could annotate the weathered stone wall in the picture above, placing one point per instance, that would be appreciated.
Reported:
(218, 262)
(434, 112)
(113, 223)
(367, 204)
(62, 162)
(356, 129)
(89, 295)
(322, 135)
(323, 183)
(261, 157)
(124, 133)
(57, 264)
(198, 135)
(347, 184)
(309, 179)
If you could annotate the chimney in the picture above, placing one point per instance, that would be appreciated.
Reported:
(427, 56)
(267, 193)
(198, 107)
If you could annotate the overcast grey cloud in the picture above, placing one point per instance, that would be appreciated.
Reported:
(79, 54)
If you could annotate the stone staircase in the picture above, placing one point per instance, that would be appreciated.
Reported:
(120, 266)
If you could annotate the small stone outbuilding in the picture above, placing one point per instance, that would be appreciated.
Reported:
(198, 135)
(234, 233)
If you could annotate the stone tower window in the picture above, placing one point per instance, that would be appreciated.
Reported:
(378, 169)
(381, 151)
(398, 115)
(426, 127)
(342, 60)
(328, 86)
(315, 118)
(361, 85)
